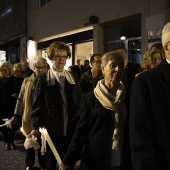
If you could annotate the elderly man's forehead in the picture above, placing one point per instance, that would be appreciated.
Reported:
(25, 64)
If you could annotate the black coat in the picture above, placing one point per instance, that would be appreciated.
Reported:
(94, 132)
(8, 86)
(150, 119)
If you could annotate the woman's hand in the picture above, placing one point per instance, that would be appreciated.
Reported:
(33, 133)
(67, 167)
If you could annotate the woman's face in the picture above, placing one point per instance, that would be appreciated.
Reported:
(156, 59)
(59, 60)
(18, 71)
(113, 71)
(4, 71)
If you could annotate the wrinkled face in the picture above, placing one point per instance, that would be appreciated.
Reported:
(156, 59)
(97, 62)
(167, 51)
(113, 71)
(59, 59)
(4, 71)
(40, 68)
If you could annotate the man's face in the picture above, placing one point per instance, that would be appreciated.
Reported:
(97, 62)
(59, 60)
(79, 63)
(40, 68)
(167, 51)
(24, 66)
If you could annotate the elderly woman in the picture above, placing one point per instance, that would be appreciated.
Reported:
(10, 88)
(100, 128)
(55, 102)
(23, 108)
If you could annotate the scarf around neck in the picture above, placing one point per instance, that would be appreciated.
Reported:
(114, 103)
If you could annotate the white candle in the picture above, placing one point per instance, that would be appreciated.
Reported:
(48, 139)
(3, 125)
(24, 133)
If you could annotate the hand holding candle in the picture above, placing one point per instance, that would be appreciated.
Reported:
(48, 139)
(24, 133)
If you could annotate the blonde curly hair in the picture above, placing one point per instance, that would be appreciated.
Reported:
(8, 65)
(146, 62)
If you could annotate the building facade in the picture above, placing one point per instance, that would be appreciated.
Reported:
(90, 26)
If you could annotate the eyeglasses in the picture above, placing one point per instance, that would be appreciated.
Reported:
(97, 61)
(56, 57)
(40, 68)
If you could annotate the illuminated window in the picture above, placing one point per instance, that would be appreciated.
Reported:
(2, 56)
(43, 2)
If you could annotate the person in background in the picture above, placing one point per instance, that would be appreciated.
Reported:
(10, 89)
(156, 58)
(90, 78)
(150, 60)
(158, 46)
(23, 109)
(149, 115)
(56, 102)
(131, 69)
(26, 71)
(79, 63)
(102, 115)
(17, 69)
(75, 69)
(86, 66)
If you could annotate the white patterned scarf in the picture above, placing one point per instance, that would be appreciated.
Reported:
(52, 76)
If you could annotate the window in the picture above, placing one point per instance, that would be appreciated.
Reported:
(43, 2)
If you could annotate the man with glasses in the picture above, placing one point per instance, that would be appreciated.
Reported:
(56, 102)
(90, 78)
(150, 114)
(23, 109)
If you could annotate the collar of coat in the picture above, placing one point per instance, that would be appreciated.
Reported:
(51, 80)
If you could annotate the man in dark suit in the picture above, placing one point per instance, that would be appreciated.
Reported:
(150, 114)
(131, 69)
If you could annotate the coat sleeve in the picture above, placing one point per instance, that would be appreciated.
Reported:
(80, 135)
(37, 104)
(141, 138)
(19, 105)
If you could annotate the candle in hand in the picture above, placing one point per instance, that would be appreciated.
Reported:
(48, 139)
(24, 133)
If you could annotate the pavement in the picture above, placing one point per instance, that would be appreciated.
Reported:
(14, 159)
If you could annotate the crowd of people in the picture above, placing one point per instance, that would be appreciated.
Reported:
(108, 112)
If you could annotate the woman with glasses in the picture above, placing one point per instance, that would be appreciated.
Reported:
(23, 108)
(56, 102)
